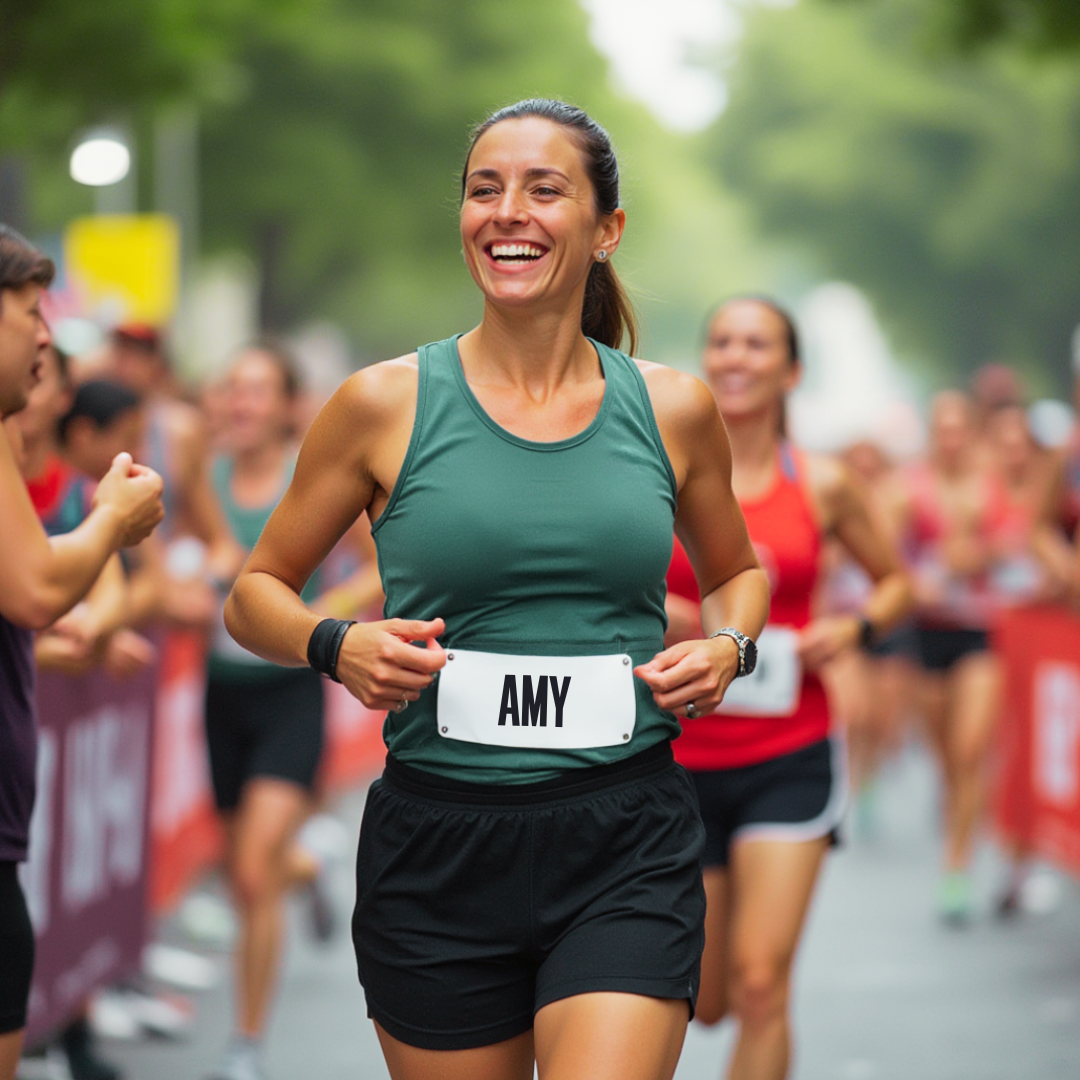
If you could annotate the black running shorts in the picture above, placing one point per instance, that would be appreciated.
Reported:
(272, 727)
(477, 904)
(16, 951)
(797, 796)
(941, 648)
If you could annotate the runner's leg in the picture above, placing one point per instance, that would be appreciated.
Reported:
(610, 1036)
(712, 1003)
(269, 814)
(509, 1060)
(771, 885)
(975, 684)
(10, 1049)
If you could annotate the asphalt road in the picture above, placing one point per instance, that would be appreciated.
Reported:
(883, 990)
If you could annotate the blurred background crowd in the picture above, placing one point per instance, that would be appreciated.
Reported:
(249, 200)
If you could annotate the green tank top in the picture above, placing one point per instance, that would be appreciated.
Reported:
(227, 659)
(528, 548)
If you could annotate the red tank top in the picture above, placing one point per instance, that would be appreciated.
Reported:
(787, 538)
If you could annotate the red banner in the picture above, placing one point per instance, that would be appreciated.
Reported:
(85, 881)
(1038, 785)
(184, 828)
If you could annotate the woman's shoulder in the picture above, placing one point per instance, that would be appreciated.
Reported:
(381, 388)
(676, 396)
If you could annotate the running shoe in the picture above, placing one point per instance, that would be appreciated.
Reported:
(954, 899)
(241, 1062)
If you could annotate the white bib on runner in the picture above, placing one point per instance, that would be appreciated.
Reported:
(537, 702)
(772, 689)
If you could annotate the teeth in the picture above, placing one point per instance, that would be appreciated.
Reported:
(516, 251)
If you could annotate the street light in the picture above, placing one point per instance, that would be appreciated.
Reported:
(100, 160)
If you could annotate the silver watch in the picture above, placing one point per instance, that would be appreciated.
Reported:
(747, 649)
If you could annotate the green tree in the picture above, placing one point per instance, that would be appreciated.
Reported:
(946, 188)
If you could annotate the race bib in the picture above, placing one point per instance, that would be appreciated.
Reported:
(537, 702)
(772, 689)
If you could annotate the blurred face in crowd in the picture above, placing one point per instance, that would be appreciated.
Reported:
(23, 336)
(259, 410)
(91, 449)
(747, 361)
(47, 402)
(951, 427)
(1010, 436)
(136, 366)
(529, 225)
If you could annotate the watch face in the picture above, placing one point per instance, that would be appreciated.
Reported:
(749, 656)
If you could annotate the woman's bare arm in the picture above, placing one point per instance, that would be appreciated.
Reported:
(42, 577)
(348, 464)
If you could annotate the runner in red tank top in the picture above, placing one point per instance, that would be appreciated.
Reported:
(769, 791)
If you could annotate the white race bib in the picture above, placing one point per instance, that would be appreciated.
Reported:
(537, 702)
(772, 689)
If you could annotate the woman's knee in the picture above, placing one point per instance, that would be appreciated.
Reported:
(760, 991)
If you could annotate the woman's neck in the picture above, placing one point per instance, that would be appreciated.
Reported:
(35, 456)
(260, 462)
(754, 443)
(535, 352)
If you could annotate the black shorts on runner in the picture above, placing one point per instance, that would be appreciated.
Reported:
(941, 648)
(16, 951)
(903, 642)
(798, 796)
(477, 905)
(272, 727)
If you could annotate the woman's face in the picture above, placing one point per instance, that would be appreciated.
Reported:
(952, 429)
(1010, 436)
(747, 362)
(91, 449)
(529, 226)
(258, 411)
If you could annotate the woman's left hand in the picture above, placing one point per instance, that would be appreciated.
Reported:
(823, 639)
(696, 672)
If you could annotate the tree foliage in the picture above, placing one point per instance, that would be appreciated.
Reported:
(1042, 25)
(946, 188)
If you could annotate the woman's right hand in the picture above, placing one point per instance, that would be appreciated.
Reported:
(379, 664)
(134, 493)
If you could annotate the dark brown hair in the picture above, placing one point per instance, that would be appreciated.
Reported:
(607, 314)
(21, 263)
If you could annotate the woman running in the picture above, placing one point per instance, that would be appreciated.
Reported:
(528, 880)
(769, 780)
(954, 507)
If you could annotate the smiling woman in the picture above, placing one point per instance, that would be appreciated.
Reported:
(528, 873)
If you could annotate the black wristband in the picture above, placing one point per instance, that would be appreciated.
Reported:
(867, 633)
(325, 644)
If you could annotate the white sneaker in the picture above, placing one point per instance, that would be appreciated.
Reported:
(241, 1062)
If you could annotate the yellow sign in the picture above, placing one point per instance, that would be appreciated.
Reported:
(125, 267)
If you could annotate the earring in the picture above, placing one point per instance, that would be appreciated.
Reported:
(601, 255)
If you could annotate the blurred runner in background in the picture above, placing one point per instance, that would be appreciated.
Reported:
(770, 781)
(871, 688)
(954, 507)
(175, 443)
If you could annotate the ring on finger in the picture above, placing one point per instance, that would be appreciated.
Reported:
(401, 706)
(691, 710)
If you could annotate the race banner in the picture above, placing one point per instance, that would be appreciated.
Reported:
(1038, 783)
(86, 879)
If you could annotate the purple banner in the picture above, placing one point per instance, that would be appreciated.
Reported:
(86, 879)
